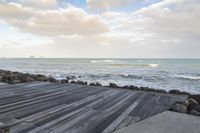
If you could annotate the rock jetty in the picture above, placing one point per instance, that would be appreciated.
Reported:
(190, 106)
(18, 77)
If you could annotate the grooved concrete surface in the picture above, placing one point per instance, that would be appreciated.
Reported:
(42, 107)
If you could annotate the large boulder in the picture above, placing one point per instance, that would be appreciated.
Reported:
(178, 92)
(132, 87)
(51, 79)
(181, 108)
(81, 82)
(194, 112)
(25, 79)
(195, 97)
(113, 85)
(192, 105)
(63, 81)
(40, 77)
(175, 92)
(95, 84)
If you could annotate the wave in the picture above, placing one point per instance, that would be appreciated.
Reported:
(153, 65)
(188, 77)
(102, 61)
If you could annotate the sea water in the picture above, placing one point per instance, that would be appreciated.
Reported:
(168, 74)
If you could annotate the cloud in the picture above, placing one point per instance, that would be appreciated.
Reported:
(67, 21)
(43, 4)
(165, 20)
(109, 4)
(173, 18)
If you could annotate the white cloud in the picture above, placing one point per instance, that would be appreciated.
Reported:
(109, 4)
(41, 3)
(169, 28)
(68, 21)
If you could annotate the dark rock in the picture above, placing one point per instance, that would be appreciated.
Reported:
(175, 92)
(194, 112)
(145, 89)
(161, 91)
(185, 93)
(134, 87)
(178, 92)
(82, 82)
(113, 85)
(25, 79)
(64, 81)
(181, 108)
(73, 82)
(92, 84)
(40, 77)
(95, 84)
(126, 87)
(51, 79)
(195, 97)
(193, 105)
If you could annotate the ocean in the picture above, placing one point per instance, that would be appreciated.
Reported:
(168, 74)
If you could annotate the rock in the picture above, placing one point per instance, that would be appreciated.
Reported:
(194, 112)
(185, 93)
(92, 84)
(40, 77)
(25, 79)
(51, 79)
(63, 81)
(175, 92)
(193, 105)
(145, 89)
(161, 91)
(1, 77)
(95, 84)
(126, 87)
(195, 97)
(113, 85)
(73, 82)
(134, 87)
(81, 82)
(181, 108)
(178, 92)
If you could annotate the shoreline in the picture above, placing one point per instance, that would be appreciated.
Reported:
(190, 106)
(14, 77)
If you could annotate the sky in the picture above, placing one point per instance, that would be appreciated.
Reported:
(100, 28)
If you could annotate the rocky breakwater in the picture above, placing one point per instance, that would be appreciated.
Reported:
(17, 77)
(190, 106)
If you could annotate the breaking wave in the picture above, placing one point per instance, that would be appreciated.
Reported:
(102, 61)
(188, 77)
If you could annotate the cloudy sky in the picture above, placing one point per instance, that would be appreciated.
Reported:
(100, 28)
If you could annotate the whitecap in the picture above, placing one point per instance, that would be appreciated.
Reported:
(187, 77)
(102, 61)
(153, 65)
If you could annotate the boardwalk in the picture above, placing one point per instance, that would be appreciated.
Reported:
(41, 107)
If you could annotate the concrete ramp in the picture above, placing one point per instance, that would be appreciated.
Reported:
(166, 122)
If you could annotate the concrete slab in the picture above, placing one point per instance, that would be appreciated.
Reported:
(166, 122)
